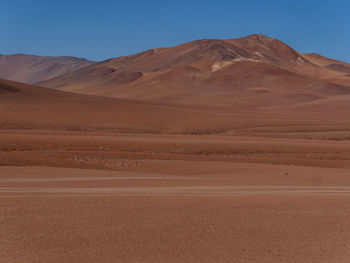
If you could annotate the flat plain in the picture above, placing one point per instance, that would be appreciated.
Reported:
(102, 197)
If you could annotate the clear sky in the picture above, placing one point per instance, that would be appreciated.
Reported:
(102, 29)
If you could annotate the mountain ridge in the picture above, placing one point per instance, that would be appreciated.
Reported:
(209, 70)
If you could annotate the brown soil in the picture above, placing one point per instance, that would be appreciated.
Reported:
(177, 211)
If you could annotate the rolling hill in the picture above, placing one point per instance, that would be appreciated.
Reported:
(24, 106)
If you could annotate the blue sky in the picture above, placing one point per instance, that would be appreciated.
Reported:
(103, 29)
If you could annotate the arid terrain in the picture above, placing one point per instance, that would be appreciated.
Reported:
(211, 151)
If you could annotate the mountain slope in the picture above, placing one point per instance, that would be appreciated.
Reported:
(30, 69)
(256, 71)
(27, 106)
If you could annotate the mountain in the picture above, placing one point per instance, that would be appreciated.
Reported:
(30, 69)
(254, 71)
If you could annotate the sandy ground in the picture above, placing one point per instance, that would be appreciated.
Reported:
(140, 152)
(173, 212)
(108, 197)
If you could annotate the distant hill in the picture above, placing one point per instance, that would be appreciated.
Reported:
(31, 69)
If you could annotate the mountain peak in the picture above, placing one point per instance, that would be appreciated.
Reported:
(257, 37)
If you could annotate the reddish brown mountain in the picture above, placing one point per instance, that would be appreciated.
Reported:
(254, 71)
(30, 69)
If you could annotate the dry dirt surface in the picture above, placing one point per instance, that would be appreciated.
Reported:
(172, 198)
(240, 213)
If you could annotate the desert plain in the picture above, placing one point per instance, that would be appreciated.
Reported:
(247, 161)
